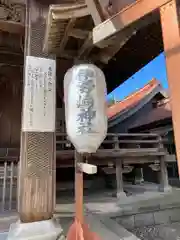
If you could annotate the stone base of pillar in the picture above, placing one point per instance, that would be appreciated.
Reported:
(121, 195)
(42, 230)
(138, 181)
(165, 188)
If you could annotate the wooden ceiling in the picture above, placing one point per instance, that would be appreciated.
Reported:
(69, 36)
(143, 47)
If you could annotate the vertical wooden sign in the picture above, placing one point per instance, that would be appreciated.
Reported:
(39, 95)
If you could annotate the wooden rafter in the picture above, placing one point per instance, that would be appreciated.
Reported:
(86, 47)
(67, 11)
(67, 28)
(124, 18)
(79, 33)
(66, 34)
(71, 38)
(68, 54)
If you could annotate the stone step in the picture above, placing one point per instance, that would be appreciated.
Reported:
(100, 229)
(108, 229)
(118, 229)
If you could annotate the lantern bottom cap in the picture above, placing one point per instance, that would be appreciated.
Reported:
(86, 151)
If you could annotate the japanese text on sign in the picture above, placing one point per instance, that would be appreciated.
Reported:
(39, 95)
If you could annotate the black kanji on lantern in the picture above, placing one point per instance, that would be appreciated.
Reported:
(85, 102)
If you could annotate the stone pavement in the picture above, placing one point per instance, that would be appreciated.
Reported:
(105, 228)
(6, 221)
(3, 236)
(104, 206)
(159, 232)
(145, 202)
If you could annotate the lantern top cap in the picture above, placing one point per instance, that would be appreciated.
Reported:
(79, 65)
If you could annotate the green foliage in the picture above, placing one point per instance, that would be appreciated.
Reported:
(110, 102)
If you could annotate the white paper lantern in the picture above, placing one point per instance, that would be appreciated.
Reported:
(85, 107)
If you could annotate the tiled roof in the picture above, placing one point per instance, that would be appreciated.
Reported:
(133, 99)
(159, 113)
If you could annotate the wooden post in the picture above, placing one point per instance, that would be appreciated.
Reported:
(37, 157)
(96, 11)
(164, 183)
(119, 174)
(139, 177)
(163, 175)
(119, 179)
(78, 187)
(171, 38)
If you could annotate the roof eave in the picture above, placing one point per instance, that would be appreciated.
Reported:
(130, 111)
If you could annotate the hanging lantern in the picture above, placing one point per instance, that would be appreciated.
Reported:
(85, 107)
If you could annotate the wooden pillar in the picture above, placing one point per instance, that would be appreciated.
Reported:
(119, 180)
(171, 39)
(139, 177)
(37, 161)
(164, 183)
(119, 173)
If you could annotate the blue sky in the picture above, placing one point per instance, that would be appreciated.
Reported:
(156, 68)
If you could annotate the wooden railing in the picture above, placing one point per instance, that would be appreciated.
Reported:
(115, 144)
(123, 142)
(8, 185)
(113, 141)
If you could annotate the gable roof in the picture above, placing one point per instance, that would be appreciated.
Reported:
(161, 112)
(131, 100)
(131, 104)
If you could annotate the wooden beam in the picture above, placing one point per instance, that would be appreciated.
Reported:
(12, 27)
(124, 18)
(113, 45)
(68, 11)
(11, 59)
(68, 54)
(86, 47)
(109, 52)
(170, 22)
(66, 34)
(49, 20)
(96, 11)
(78, 33)
(118, 5)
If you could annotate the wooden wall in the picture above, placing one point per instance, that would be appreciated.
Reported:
(10, 106)
(11, 102)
